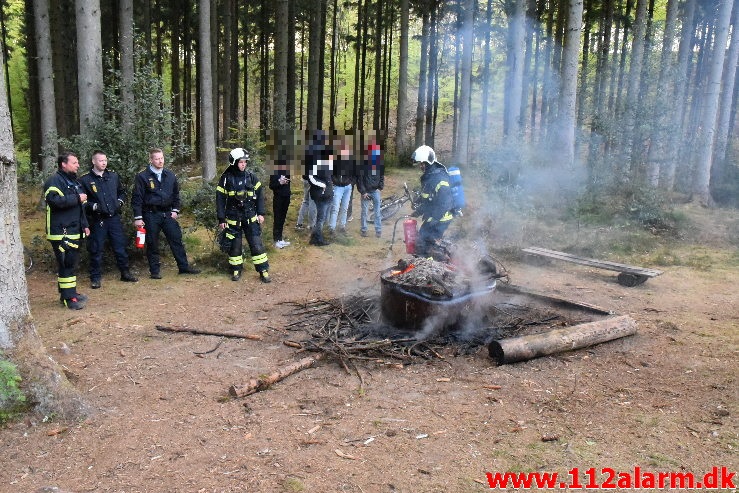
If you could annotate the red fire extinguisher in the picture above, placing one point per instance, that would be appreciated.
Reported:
(140, 237)
(409, 235)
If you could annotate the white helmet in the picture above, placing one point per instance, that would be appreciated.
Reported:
(237, 155)
(424, 154)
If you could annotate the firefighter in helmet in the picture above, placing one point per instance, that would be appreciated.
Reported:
(435, 203)
(240, 210)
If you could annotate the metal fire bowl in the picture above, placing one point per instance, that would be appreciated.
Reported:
(412, 310)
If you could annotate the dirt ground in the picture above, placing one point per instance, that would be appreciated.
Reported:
(664, 399)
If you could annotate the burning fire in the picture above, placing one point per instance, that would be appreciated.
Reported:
(399, 272)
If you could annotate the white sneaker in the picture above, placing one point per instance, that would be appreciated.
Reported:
(282, 244)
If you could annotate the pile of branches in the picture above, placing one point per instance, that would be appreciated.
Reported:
(349, 329)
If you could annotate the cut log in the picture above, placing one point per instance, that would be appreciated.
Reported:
(560, 340)
(208, 332)
(257, 384)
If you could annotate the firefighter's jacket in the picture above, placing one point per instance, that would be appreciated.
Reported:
(435, 201)
(239, 195)
(105, 194)
(152, 195)
(64, 210)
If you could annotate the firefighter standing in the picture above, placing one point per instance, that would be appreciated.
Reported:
(66, 225)
(435, 202)
(105, 197)
(240, 209)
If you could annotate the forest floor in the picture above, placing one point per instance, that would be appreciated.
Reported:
(665, 399)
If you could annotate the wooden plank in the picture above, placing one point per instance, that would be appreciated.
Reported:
(602, 264)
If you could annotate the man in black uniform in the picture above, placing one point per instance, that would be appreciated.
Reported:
(156, 205)
(240, 209)
(66, 225)
(105, 197)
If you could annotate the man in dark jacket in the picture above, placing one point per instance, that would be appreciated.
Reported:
(105, 197)
(66, 225)
(240, 209)
(435, 202)
(156, 205)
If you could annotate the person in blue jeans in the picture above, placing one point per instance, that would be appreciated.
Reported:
(343, 179)
(370, 182)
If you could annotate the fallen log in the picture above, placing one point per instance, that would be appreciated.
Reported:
(257, 384)
(560, 340)
(208, 332)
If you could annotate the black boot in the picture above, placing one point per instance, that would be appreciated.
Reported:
(126, 276)
(318, 240)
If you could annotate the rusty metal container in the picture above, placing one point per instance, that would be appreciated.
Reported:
(408, 308)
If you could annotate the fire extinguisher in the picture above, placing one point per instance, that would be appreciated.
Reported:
(140, 237)
(410, 233)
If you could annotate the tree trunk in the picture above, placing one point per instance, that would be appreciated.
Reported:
(431, 77)
(514, 66)
(667, 175)
(127, 70)
(421, 100)
(291, 70)
(702, 176)
(657, 149)
(568, 82)
(314, 53)
(377, 89)
(46, 86)
(524, 348)
(632, 94)
(465, 82)
(280, 70)
(727, 102)
(43, 379)
(208, 144)
(402, 109)
(33, 94)
(89, 62)
(487, 59)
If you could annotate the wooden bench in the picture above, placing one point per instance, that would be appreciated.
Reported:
(629, 275)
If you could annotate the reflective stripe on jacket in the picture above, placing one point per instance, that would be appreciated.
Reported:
(64, 214)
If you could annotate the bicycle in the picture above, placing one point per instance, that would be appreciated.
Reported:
(390, 206)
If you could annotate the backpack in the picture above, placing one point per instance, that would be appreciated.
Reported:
(455, 182)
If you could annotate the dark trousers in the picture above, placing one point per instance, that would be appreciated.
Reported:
(253, 233)
(156, 222)
(322, 208)
(111, 229)
(280, 204)
(67, 254)
(428, 234)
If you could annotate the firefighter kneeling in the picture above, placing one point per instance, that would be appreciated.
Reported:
(240, 209)
(435, 204)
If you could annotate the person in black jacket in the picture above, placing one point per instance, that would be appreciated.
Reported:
(156, 205)
(319, 170)
(343, 179)
(279, 183)
(105, 197)
(66, 225)
(240, 208)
